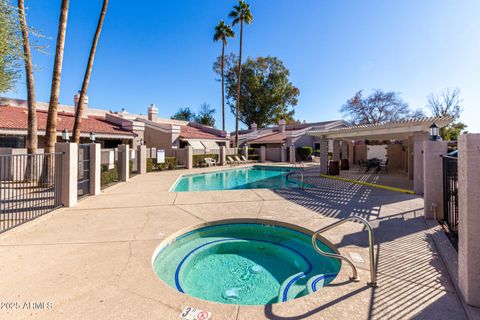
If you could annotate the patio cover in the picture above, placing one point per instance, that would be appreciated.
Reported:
(211, 145)
(196, 144)
(385, 130)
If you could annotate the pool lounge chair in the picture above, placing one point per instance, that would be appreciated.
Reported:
(240, 161)
(246, 160)
(231, 161)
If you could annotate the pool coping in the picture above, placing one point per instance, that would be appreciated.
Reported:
(221, 168)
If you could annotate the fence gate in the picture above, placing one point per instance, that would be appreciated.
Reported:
(450, 194)
(30, 186)
(83, 170)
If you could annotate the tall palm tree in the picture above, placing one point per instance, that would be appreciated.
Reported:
(241, 13)
(27, 57)
(223, 32)
(88, 72)
(51, 130)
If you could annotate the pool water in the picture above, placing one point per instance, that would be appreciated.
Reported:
(255, 177)
(245, 263)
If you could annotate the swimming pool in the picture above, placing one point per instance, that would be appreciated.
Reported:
(269, 177)
(245, 263)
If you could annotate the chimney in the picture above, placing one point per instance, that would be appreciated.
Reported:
(76, 97)
(281, 125)
(152, 112)
(254, 127)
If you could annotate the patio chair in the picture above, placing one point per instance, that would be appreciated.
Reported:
(239, 161)
(210, 162)
(246, 160)
(230, 161)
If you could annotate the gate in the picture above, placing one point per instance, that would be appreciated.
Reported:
(30, 186)
(450, 195)
(83, 170)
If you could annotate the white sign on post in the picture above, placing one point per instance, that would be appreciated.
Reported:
(160, 156)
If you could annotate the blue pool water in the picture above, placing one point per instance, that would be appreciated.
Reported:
(242, 178)
(245, 263)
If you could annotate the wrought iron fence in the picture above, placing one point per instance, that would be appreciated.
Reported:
(30, 186)
(450, 196)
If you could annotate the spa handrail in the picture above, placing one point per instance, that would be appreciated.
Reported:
(371, 240)
(302, 183)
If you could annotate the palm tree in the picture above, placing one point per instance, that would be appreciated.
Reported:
(88, 72)
(51, 130)
(27, 57)
(222, 32)
(241, 13)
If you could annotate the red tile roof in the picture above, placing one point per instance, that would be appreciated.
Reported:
(277, 137)
(188, 132)
(16, 118)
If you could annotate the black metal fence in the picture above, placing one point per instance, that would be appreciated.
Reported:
(450, 196)
(83, 170)
(30, 186)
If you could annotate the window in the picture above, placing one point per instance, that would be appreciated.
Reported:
(12, 142)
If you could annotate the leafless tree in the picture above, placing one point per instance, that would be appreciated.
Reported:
(447, 104)
(378, 107)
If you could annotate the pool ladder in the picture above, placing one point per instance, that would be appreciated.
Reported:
(302, 183)
(373, 273)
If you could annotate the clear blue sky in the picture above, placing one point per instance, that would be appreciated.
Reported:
(163, 52)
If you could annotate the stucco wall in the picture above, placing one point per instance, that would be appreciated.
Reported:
(157, 139)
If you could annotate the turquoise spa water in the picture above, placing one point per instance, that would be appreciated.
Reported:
(245, 263)
(233, 179)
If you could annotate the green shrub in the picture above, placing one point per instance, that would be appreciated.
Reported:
(304, 152)
(199, 159)
(170, 163)
(109, 175)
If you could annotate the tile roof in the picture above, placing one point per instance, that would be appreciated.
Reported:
(16, 118)
(188, 132)
(277, 137)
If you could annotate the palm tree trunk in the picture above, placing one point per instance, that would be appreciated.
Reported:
(223, 85)
(237, 109)
(51, 130)
(32, 115)
(88, 72)
(32, 139)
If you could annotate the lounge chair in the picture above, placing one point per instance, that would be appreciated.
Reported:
(230, 161)
(240, 161)
(246, 160)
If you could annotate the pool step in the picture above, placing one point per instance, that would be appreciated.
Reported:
(289, 291)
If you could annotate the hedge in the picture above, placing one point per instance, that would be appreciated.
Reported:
(304, 152)
(109, 175)
(199, 159)
(170, 163)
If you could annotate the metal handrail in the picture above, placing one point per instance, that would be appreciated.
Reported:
(302, 184)
(373, 274)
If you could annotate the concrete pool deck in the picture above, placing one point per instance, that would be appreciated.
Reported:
(93, 261)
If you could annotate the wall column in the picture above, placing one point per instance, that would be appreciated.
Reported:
(245, 151)
(223, 155)
(433, 178)
(142, 159)
(189, 164)
(418, 140)
(336, 150)
(323, 156)
(95, 168)
(344, 149)
(283, 153)
(292, 154)
(263, 153)
(469, 219)
(123, 162)
(69, 192)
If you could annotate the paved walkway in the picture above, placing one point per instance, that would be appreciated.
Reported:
(94, 261)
